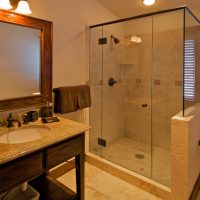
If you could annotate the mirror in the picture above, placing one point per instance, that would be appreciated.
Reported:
(25, 61)
(19, 61)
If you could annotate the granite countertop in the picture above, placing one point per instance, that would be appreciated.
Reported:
(58, 131)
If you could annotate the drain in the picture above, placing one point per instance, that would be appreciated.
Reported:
(139, 156)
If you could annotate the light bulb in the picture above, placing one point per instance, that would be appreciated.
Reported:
(23, 7)
(148, 2)
(139, 40)
(5, 4)
(133, 38)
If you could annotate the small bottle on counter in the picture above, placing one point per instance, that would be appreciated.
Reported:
(46, 111)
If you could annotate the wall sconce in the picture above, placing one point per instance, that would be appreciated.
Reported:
(19, 6)
(23, 7)
(5, 4)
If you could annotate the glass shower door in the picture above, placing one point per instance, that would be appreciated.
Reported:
(126, 94)
(96, 89)
(167, 93)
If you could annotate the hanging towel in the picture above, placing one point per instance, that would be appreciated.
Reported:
(65, 99)
(84, 98)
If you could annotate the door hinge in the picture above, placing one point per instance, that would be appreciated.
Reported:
(102, 41)
(102, 142)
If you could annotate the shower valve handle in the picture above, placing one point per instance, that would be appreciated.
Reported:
(111, 81)
(144, 105)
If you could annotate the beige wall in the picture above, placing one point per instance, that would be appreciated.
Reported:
(71, 19)
(196, 12)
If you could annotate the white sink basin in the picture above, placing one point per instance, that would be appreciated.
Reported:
(22, 135)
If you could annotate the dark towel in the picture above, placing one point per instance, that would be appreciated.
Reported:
(71, 98)
(84, 98)
(65, 100)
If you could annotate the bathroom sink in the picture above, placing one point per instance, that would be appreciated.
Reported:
(25, 134)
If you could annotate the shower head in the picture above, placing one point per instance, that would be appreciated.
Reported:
(116, 40)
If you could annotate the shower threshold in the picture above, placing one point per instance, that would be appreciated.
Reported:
(129, 176)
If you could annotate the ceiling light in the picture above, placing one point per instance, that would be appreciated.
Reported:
(148, 2)
(5, 4)
(23, 7)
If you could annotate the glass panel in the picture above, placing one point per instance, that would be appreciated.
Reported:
(126, 109)
(137, 82)
(96, 89)
(191, 63)
(167, 79)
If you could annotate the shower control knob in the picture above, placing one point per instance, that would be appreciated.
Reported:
(111, 81)
(144, 105)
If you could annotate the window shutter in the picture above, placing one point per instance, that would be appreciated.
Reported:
(189, 70)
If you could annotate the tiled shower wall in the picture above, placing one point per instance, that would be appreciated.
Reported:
(153, 78)
(136, 79)
(167, 98)
(112, 104)
(141, 80)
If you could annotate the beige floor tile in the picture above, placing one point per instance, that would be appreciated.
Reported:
(103, 186)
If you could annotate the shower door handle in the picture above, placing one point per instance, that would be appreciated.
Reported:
(111, 81)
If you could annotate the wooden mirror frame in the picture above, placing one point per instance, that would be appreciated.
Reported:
(46, 60)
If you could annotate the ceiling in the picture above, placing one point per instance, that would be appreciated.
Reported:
(128, 8)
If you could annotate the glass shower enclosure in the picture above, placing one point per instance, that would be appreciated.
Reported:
(143, 71)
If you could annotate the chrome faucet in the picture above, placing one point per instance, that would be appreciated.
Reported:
(10, 121)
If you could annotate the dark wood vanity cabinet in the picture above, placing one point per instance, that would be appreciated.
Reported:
(58, 153)
(36, 165)
(20, 170)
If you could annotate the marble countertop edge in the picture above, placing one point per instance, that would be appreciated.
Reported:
(60, 131)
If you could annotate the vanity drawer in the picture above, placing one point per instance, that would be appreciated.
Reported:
(59, 153)
(20, 170)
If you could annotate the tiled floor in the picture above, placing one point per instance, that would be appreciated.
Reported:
(123, 151)
(103, 186)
